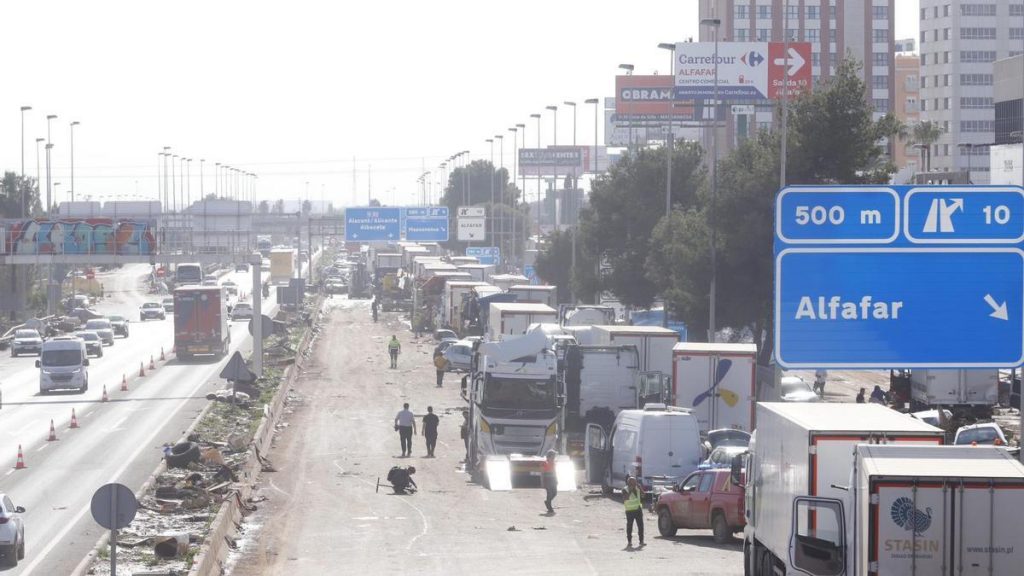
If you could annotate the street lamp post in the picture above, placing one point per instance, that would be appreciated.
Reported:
(39, 173)
(669, 144)
(501, 191)
(714, 23)
(511, 257)
(73, 124)
(491, 142)
(49, 151)
(166, 154)
(556, 219)
(537, 117)
(21, 185)
(523, 191)
(595, 102)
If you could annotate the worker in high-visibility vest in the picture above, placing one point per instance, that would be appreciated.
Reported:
(394, 348)
(633, 498)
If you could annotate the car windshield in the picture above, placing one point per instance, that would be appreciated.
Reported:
(26, 334)
(795, 387)
(243, 306)
(97, 324)
(728, 438)
(88, 336)
(116, 318)
(61, 358)
(983, 435)
(151, 305)
(519, 393)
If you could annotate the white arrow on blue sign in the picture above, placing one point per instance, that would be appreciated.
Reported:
(372, 224)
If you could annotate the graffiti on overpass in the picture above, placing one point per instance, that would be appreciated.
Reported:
(81, 236)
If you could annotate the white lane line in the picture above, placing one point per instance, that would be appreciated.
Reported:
(43, 447)
(9, 472)
(143, 445)
(274, 486)
(116, 424)
(423, 517)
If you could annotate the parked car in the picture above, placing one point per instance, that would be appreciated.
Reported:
(168, 304)
(722, 456)
(443, 334)
(12, 531)
(152, 310)
(706, 499)
(443, 345)
(93, 343)
(459, 354)
(230, 287)
(794, 389)
(119, 324)
(335, 286)
(103, 329)
(986, 433)
(242, 311)
(932, 416)
(26, 341)
(241, 267)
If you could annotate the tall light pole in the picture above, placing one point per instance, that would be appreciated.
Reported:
(491, 142)
(49, 151)
(537, 116)
(72, 127)
(629, 72)
(39, 174)
(24, 212)
(525, 226)
(556, 219)
(166, 204)
(669, 144)
(596, 102)
(202, 189)
(574, 210)
(501, 190)
(515, 212)
(715, 23)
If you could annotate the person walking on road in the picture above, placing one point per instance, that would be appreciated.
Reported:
(440, 365)
(860, 396)
(633, 498)
(394, 349)
(373, 309)
(405, 424)
(464, 432)
(550, 480)
(430, 422)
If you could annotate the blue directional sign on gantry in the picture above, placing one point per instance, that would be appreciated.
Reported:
(373, 224)
(426, 224)
(899, 277)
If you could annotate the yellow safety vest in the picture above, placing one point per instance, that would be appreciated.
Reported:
(633, 501)
(394, 345)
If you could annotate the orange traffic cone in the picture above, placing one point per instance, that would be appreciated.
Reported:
(162, 357)
(21, 460)
(53, 433)
(105, 398)
(124, 383)
(152, 366)
(141, 371)
(74, 419)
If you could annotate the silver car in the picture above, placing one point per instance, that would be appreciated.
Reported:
(459, 355)
(26, 341)
(12, 531)
(103, 329)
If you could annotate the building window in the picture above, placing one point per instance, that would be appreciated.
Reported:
(1016, 33)
(977, 33)
(977, 126)
(763, 34)
(812, 34)
(935, 35)
(910, 83)
(880, 12)
(975, 79)
(924, 105)
(945, 103)
(945, 57)
(1016, 9)
(880, 82)
(945, 128)
(812, 12)
(880, 35)
(764, 12)
(977, 9)
(977, 56)
(923, 59)
(924, 81)
(910, 105)
(936, 106)
(792, 12)
(945, 10)
(740, 11)
(815, 59)
(833, 60)
(1016, 53)
(741, 34)
(945, 79)
(945, 33)
(924, 13)
(880, 58)
(935, 58)
(923, 32)
(975, 102)
(881, 105)
(832, 12)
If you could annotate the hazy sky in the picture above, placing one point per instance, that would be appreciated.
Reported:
(292, 91)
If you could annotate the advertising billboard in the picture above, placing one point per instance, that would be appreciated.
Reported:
(650, 99)
(746, 70)
(560, 160)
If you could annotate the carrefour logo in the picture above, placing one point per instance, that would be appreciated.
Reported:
(752, 58)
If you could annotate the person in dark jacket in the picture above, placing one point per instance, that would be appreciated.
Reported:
(401, 480)
(430, 422)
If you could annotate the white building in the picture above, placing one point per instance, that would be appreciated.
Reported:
(1007, 152)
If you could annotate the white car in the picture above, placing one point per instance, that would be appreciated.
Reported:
(794, 389)
(12, 531)
(242, 311)
(26, 341)
(230, 287)
(988, 433)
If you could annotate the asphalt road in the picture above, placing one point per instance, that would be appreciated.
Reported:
(118, 441)
(324, 515)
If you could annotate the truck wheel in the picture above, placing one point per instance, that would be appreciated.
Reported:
(665, 525)
(720, 529)
(767, 564)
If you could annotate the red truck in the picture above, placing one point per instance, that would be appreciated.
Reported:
(200, 321)
(706, 499)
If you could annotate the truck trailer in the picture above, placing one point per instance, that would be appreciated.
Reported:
(514, 318)
(282, 265)
(200, 321)
(654, 344)
(718, 382)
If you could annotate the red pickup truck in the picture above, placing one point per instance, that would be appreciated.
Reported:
(704, 499)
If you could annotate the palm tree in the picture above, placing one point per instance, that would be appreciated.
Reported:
(925, 134)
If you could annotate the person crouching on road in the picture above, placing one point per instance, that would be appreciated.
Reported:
(633, 498)
(550, 480)
(401, 479)
(405, 425)
(394, 349)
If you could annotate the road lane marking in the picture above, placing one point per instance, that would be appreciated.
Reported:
(423, 517)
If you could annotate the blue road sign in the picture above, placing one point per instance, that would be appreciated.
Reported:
(899, 277)
(426, 224)
(372, 224)
(490, 255)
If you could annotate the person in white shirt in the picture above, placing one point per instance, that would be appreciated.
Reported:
(405, 424)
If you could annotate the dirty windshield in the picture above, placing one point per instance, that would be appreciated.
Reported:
(58, 358)
(518, 393)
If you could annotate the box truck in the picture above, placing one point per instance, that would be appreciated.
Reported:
(600, 381)
(547, 295)
(654, 344)
(906, 510)
(282, 265)
(804, 450)
(200, 321)
(718, 382)
(512, 318)
(975, 389)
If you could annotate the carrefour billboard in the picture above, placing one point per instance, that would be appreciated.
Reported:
(746, 70)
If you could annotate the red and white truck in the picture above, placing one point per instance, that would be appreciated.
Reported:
(200, 321)
(717, 381)
(803, 450)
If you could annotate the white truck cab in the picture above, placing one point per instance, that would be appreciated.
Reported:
(63, 365)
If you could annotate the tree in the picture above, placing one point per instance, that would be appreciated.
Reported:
(925, 134)
(623, 210)
(307, 207)
(13, 189)
(471, 186)
(554, 266)
(264, 207)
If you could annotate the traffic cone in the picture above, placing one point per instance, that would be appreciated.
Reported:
(162, 357)
(53, 433)
(105, 398)
(21, 460)
(74, 419)
(152, 366)
(141, 371)
(124, 383)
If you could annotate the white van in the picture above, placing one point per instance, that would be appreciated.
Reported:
(63, 364)
(658, 444)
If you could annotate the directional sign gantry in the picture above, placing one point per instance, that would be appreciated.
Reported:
(899, 277)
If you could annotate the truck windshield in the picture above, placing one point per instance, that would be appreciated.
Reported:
(519, 393)
(61, 358)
